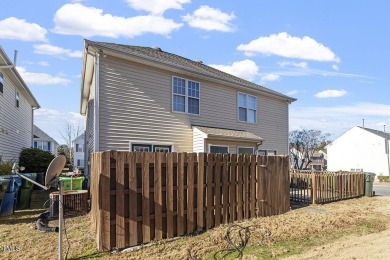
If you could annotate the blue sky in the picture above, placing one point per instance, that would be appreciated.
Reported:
(330, 55)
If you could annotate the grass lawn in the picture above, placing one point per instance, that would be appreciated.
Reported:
(271, 237)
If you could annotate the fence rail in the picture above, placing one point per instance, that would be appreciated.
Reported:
(139, 197)
(321, 187)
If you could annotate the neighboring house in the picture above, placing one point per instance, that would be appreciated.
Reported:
(78, 152)
(144, 99)
(319, 161)
(17, 105)
(360, 149)
(43, 141)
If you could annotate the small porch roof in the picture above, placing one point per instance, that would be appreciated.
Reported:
(223, 133)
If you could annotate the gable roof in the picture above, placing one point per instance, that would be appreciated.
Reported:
(40, 135)
(157, 56)
(377, 132)
(8, 68)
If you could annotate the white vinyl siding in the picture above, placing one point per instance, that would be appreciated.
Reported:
(185, 96)
(136, 103)
(15, 123)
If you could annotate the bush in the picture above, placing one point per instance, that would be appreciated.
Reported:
(5, 166)
(383, 178)
(35, 160)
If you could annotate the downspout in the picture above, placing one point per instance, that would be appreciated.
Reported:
(96, 105)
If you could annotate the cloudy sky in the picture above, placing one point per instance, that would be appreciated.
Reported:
(332, 55)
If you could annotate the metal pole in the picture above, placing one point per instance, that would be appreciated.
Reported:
(60, 220)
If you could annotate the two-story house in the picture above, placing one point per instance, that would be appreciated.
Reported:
(17, 105)
(78, 152)
(43, 141)
(145, 99)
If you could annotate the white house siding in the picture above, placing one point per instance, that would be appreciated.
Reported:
(135, 105)
(359, 149)
(15, 123)
(198, 142)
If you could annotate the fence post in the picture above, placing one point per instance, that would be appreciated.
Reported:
(314, 188)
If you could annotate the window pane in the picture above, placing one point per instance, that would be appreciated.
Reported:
(193, 106)
(241, 100)
(162, 148)
(242, 114)
(179, 103)
(261, 152)
(252, 102)
(218, 149)
(193, 89)
(270, 152)
(141, 147)
(245, 150)
(251, 116)
(179, 86)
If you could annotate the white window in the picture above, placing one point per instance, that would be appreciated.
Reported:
(1, 83)
(266, 152)
(245, 150)
(185, 96)
(139, 147)
(218, 149)
(45, 146)
(246, 108)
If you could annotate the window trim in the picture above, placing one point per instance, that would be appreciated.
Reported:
(1, 83)
(150, 144)
(266, 152)
(246, 147)
(247, 108)
(186, 96)
(17, 99)
(209, 147)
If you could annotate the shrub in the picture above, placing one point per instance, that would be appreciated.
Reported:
(35, 160)
(5, 166)
(383, 178)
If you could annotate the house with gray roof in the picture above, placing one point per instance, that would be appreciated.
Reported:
(43, 141)
(17, 105)
(147, 99)
(359, 149)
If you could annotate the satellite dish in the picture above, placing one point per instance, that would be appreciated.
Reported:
(54, 170)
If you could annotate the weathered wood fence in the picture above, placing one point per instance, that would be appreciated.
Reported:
(321, 187)
(139, 197)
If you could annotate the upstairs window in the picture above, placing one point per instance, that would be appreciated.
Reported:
(185, 96)
(17, 99)
(246, 108)
(1, 83)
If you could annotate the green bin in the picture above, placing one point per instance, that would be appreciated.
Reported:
(24, 195)
(72, 183)
(369, 184)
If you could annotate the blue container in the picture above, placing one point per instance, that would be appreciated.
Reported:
(8, 204)
(3, 187)
(14, 185)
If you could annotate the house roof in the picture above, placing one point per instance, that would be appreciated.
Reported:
(377, 132)
(223, 133)
(40, 135)
(158, 56)
(8, 68)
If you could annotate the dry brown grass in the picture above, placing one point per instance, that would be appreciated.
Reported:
(270, 237)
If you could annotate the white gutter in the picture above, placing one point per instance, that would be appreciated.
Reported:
(96, 105)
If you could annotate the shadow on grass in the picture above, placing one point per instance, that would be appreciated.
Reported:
(22, 217)
(90, 256)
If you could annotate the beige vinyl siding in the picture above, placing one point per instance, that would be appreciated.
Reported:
(136, 101)
(15, 123)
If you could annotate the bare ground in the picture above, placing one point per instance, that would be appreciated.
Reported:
(351, 229)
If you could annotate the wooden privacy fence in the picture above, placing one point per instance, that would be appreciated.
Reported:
(139, 197)
(321, 187)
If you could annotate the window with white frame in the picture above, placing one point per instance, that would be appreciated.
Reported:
(45, 146)
(139, 147)
(245, 150)
(218, 149)
(17, 99)
(266, 152)
(246, 107)
(1, 83)
(185, 96)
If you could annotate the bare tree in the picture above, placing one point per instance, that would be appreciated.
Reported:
(68, 134)
(304, 143)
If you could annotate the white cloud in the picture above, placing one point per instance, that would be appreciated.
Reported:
(43, 63)
(157, 7)
(292, 92)
(293, 64)
(288, 46)
(338, 119)
(53, 121)
(32, 78)
(335, 67)
(246, 69)
(331, 93)
(269, 77)
(18, 29)
(48, 49)
(210, 19)
(77, 19)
